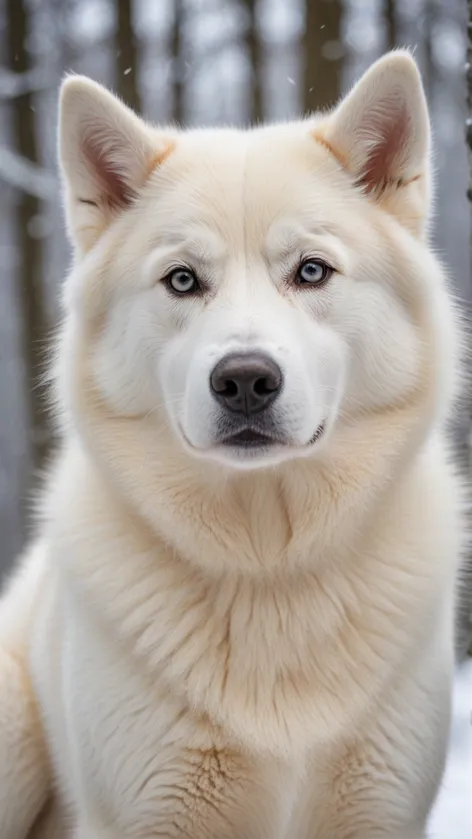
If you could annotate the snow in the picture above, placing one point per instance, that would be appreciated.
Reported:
(452, 815)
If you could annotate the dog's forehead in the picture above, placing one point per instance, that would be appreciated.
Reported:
(248, 181)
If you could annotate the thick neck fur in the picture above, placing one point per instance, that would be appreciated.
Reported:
(269, 573)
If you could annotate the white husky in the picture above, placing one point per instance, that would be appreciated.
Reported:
(238, 619)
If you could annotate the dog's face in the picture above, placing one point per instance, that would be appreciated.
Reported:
(251, 288)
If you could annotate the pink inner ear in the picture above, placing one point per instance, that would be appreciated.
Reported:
(392, 133)
(116, 192)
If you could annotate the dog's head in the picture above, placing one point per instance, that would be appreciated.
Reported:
(251, 290)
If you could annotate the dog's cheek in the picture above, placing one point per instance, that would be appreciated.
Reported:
(385, 357)
(124, 359)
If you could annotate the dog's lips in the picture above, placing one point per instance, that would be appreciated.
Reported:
(252, 439)
(249, 438)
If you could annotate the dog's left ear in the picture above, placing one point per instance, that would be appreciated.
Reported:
(107, 154)
(380, 133)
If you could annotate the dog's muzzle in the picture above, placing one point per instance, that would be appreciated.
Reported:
(246, 385)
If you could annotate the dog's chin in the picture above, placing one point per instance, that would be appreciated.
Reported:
(251, 449)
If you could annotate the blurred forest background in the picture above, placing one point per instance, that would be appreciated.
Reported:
(189, 61)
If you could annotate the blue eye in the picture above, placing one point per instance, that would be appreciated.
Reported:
(182, 281)
(313, 272)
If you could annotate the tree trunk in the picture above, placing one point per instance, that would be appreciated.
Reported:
(254, 52)
(126, 56)
(177, 64)
(469, 103)
(391, 21)
(32, 315)
(429, 17)
(465, 595)
(323, 53)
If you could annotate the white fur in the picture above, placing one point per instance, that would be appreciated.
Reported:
(222, 643)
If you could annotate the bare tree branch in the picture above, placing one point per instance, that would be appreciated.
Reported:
(27, 176)
(13, 85)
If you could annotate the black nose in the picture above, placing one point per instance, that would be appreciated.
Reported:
(246, 383)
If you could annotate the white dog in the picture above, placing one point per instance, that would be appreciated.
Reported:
(237, 621)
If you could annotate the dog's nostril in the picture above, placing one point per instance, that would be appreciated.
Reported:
(230, 388)
(265, 385)
(246, 383)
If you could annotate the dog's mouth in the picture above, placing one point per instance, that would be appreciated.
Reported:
(251, 443)
(250, 438)
(253, 438)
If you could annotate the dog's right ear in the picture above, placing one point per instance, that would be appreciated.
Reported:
(106, 154)
(380, 134)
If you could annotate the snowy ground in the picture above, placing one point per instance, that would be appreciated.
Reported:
(452, 817)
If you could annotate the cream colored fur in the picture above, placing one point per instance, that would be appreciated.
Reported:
(209, 643)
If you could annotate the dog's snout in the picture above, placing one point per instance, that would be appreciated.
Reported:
(246, 383)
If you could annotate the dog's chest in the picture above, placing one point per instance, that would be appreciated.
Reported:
(128, 733)
(238, 658)
(159, 661)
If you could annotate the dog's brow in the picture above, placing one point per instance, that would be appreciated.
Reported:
(205, 243)
(200, 252)
(283, 238)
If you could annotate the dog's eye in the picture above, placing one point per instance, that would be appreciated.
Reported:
(313, 272)
(182, 281)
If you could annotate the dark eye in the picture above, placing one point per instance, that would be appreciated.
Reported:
(313, 272)
(182, 281)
